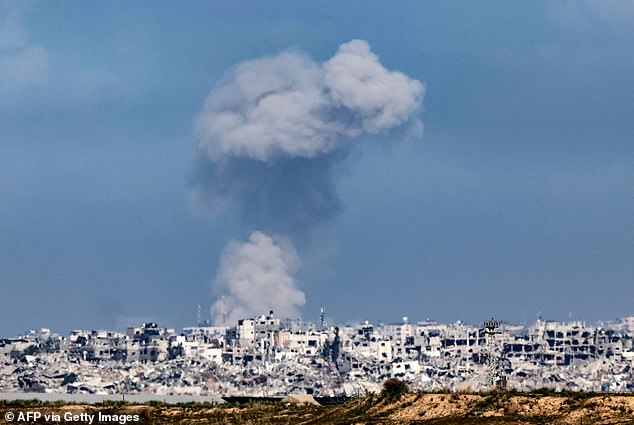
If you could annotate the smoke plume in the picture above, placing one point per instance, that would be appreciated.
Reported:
(257, 276)
(271, 134)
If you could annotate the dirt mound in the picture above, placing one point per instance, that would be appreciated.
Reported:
(300, 399)
(509, 408)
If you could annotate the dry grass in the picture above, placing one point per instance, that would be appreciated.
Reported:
(420, 408)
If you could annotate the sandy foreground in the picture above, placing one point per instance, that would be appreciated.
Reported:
(496, 408)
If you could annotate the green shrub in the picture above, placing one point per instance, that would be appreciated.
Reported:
(393, 389)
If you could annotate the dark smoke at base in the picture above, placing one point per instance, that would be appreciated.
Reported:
(292, 197)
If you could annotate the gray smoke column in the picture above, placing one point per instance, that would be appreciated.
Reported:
(271, 133)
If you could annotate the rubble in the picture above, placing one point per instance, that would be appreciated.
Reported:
(263, 357)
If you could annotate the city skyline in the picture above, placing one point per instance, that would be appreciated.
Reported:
(202, 320)
(269, 356)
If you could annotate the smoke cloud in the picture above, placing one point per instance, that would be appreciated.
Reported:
(257, 276)
(270, 136)
(288, 106)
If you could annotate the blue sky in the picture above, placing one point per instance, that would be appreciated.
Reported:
(518, 198)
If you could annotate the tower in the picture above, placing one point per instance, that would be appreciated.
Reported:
(495, 374)
(322, 318)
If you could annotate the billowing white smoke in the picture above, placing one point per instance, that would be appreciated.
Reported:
(257, 276)
(290, 106)
(269, 136)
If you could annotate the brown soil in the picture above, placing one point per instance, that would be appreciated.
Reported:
(495, 408)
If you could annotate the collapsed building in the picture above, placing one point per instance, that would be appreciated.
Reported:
(264, 356)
